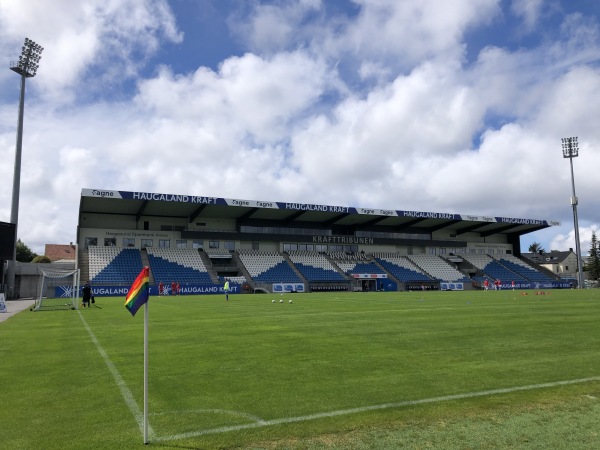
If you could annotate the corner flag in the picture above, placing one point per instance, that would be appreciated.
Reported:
(138, 292)
(136, 297)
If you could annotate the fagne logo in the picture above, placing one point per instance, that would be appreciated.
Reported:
(96, 193)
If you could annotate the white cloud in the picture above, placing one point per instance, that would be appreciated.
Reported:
(262, 95)
(567, 241)
(415, 31)
(387, 135)
(528, 11)
(377, 109)
(274, 27)
(396, 34)
(106, 37)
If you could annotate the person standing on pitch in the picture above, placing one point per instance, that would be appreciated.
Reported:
(226, 289)
(86, 292)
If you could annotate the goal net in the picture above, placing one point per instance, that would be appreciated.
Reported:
(57, 289)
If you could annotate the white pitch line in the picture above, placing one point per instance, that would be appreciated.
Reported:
(343, 412)
(125, 392)
(211, 411)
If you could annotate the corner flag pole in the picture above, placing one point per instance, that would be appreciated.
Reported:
(139, 293)
(146, 373)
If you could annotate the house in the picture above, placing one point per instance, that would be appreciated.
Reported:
(61, 252)
(561, 263)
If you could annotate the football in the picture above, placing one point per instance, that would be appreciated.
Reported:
(290, 301)
(281, 301)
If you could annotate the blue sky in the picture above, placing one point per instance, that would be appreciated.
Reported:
(452, 106)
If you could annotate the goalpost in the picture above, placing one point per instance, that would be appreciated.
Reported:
(57, 289)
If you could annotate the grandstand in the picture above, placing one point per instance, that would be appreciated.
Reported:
(263, 245)
(494, 269)
(268, 267)
(181, 265)
(352, 268)
(438, 269)
(114, 265)
(524, 270)
(402, 268)
(315, 267)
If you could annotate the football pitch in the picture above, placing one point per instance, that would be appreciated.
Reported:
(328, 370)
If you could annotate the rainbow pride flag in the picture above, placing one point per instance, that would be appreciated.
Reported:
(138, 292)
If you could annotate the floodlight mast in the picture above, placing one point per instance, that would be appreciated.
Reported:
(27, 67)
(570, 148)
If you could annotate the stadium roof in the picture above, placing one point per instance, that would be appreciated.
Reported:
(194, 208)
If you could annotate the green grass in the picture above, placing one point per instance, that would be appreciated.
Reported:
(220, 368)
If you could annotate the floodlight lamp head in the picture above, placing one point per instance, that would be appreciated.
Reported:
(570, 147)
(29, 60)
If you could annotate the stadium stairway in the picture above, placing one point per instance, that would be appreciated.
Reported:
(146, 263)
(209, 266)
(439, 268)
(465, 267)
(83, 261)
(399, 283)
(336, 267)
(240, 265)
(424, 271)
(316, 267)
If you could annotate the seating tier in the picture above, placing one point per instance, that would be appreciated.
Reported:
(268, 267)
(114, 265)
(181, 265)
(315, 267)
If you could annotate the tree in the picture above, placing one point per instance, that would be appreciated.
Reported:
(24, 253)
(593, 265)
(41, 259)
(536, 247)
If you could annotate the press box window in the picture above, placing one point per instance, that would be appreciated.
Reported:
(91, 241)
